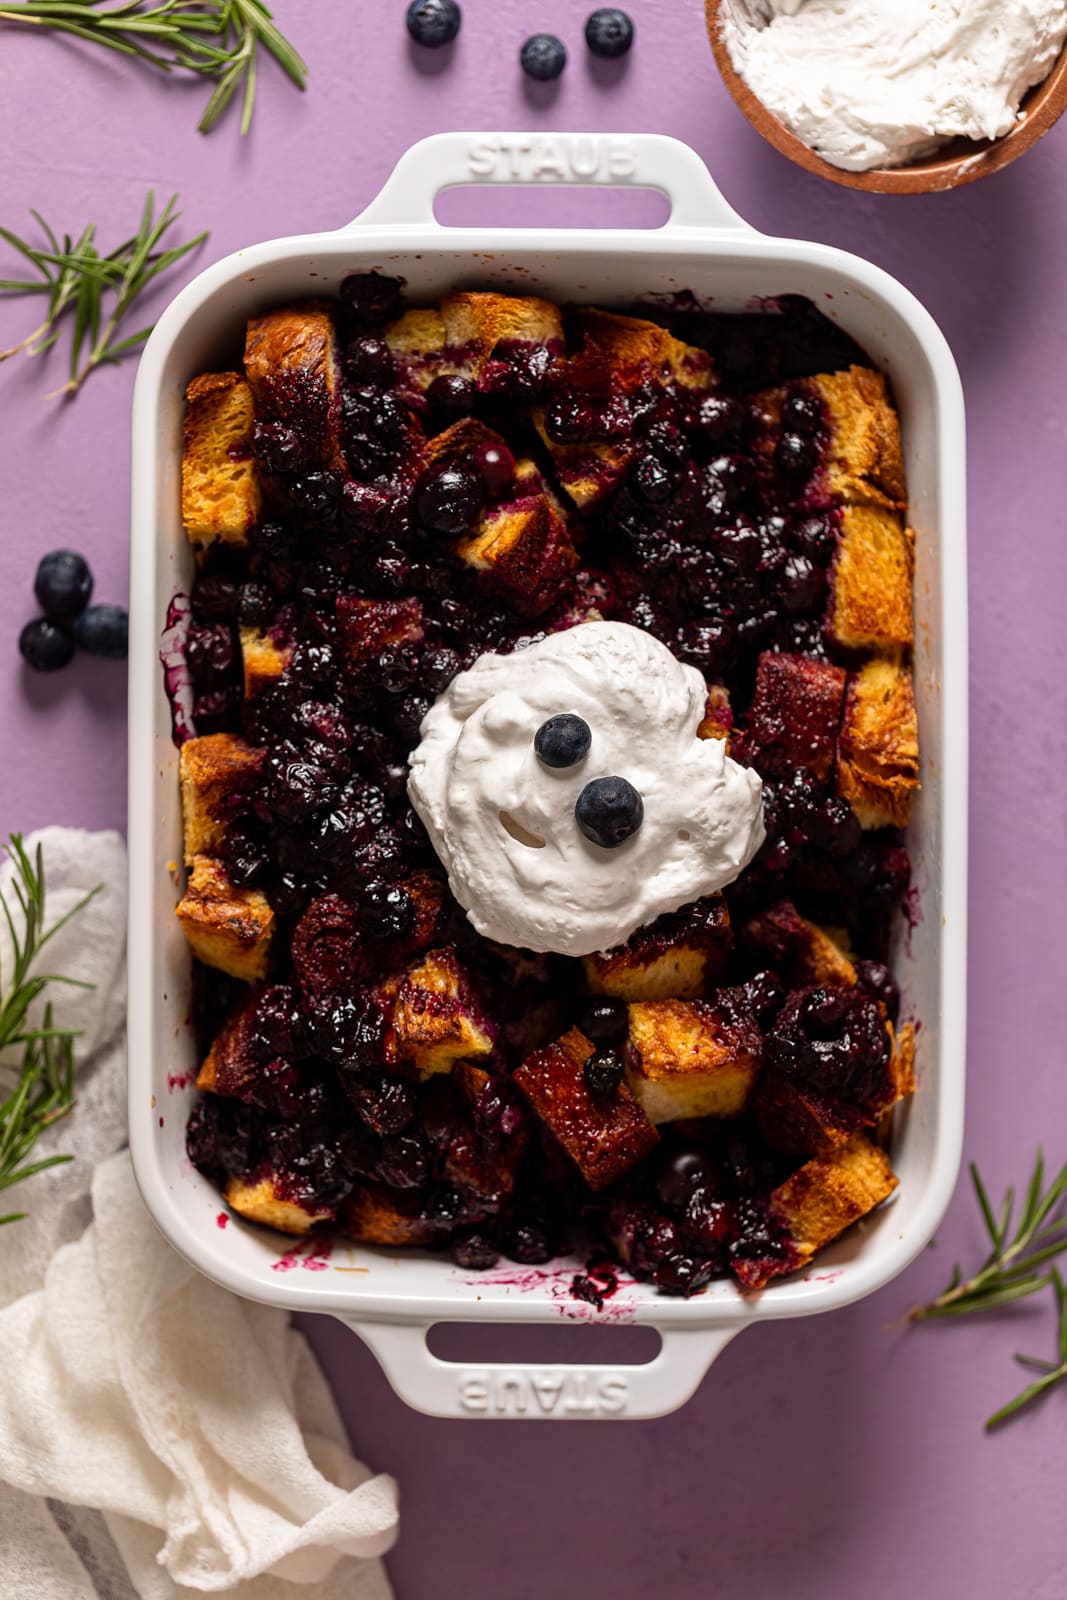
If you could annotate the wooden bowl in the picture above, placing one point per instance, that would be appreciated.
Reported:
(957, 163)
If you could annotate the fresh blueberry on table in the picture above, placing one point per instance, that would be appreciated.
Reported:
(433, 22)
(45, 646)
(609, 32)
(563, 741)
(103, 631)
(63, 584)
(609, 811)
(543, 57)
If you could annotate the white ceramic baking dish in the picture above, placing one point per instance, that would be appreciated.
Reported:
(392, 1300)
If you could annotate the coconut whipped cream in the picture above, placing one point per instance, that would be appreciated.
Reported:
(503, 823)
(879, 83)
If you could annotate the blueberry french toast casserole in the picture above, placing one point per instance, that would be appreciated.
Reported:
(552, 743)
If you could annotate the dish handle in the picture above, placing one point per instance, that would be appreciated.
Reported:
(564, 1392)
(633, 160)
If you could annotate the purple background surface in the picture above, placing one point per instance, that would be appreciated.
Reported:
(839, 1455)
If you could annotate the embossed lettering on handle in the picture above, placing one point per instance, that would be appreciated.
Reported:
(552, 158)
(582, 1392)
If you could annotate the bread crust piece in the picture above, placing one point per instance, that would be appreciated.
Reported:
(878, 757)
(436, 1020)
(795, 715)
(865, 458)
(227, 927)
(676, 957)
(212, 768)
(264, 658)
(418, 342)
(259, 1201)
(803, 951)
(686, 1059)
(221, 495)
(639, 349)
(829, 1193)
(292, 364)
(870, 581)
(476, 323)
(718, 719)
(603, 1134)
(376, 1214)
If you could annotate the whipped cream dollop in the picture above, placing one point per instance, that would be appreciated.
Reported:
(503, 823)
(879, 83)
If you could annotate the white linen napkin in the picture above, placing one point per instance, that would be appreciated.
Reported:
(195, 1427)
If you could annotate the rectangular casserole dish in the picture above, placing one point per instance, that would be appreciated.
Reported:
(392, 1300)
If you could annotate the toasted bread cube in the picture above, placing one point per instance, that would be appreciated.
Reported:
(718, 719)
(798, 1121)
(525, 551)
(292, 364)
(686, 1059)
(603, 1134)
(376, 1214)
(419, 345)
(212, 769)
(870, 581)
(368, 627)
(264, 659)
(638, 349)
(458, 443)
(677, 957)
(589, 471)
(260, 1201)
(437, 1020)
(865, 458)
(221, 496)
(829, 1193)
(802, 951)
(795, 715)
(227, 927)
(478, 324)
(878, 758)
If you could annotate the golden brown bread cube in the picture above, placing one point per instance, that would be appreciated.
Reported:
(795, 715)
(264, 658)
(687, 1059)
(525, 551)
(212, 769)
(829, 1193)
(878, 753)
(376, 1214)
(458, 443)
(475, 324)
(221, 497)
(865, 459)
(367, 627)
(718, 719)
(603, 1134)
(259, 1201)
(870, 581)
(292, 364)
(227, 927)
(418, 342)
(798, 1121)
(437, 1020)
(802, 951)
(638, 349)
(677, 957)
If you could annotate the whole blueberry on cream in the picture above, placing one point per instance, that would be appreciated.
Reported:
(512, 830)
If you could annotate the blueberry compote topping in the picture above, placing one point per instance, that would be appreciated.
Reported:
(325, 643)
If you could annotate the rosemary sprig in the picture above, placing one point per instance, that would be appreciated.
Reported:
(1013, 1268)
(96, 291)
(218, 39)
(43, 1089)
(1052, 1372)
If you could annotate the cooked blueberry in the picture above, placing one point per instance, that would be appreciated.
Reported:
(316, 494)
(816, 538)
(278, 447)
(741, 545)
(528, 1243)
(603, 1072)
(609, 32)
(369, 360)
(387, 1105)
(367, 509)
(720, 417)
(474, 1252)
(543, 57)
(495, 465)
(801, 413)
(63, 584)
(652, 481)
(679, 1174)
(451, 395)
(213, 598)
(605, 1021)
(433, 23)
(386, 910)
(45, 646)
(795, 455)
(568, 420)
(682, 1274)
(879, 983)
(439, 667)
(802, 585)
(254, 606)
(103, 631)
(370, 295)
(210, 649)
(563, 741)
(449, 499)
